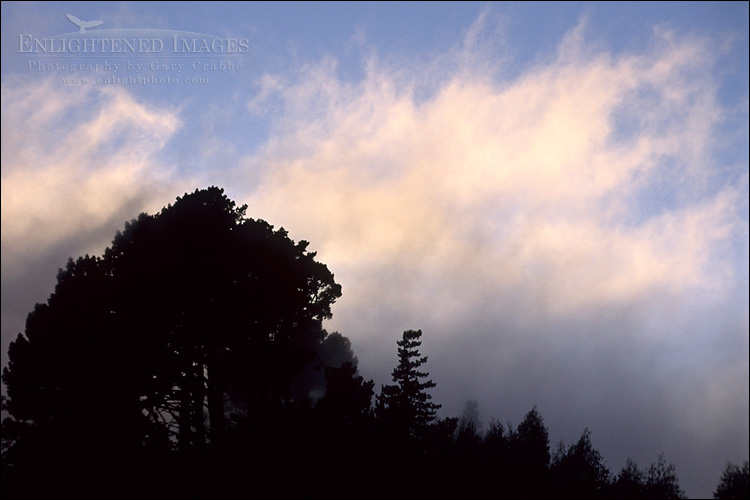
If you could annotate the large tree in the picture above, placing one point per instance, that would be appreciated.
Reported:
(186, 306)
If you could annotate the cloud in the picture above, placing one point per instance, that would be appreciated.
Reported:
(557, 232)
(531, 174)
(72, 157)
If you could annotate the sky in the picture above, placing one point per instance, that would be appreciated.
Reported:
(556, 194)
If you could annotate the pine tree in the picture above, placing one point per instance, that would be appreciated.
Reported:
(405, 407)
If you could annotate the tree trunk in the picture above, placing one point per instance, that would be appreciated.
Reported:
(215, 404)
(197, 407)
(183, 439)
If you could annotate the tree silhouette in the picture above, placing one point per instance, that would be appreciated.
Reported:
(237, 305)
(734, 482)
(658, 481)
(580, 472)
(406, 407)
(234, 304)
(661, 480)
(348, 398)
(630, 482)
(496, 444)
(529, 448)
(185, 307)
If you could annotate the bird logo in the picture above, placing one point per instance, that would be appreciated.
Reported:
(83, 24)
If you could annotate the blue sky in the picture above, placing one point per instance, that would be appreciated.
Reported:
(555, 193)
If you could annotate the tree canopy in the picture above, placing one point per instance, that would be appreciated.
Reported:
(185, 308)
(734, 482)
(579, 471)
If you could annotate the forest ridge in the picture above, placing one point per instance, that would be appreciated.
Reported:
(190, 360)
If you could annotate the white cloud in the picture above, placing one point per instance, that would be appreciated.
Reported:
(517, 180)
(73, 157)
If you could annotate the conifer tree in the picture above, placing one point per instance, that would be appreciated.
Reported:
(406, 407)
